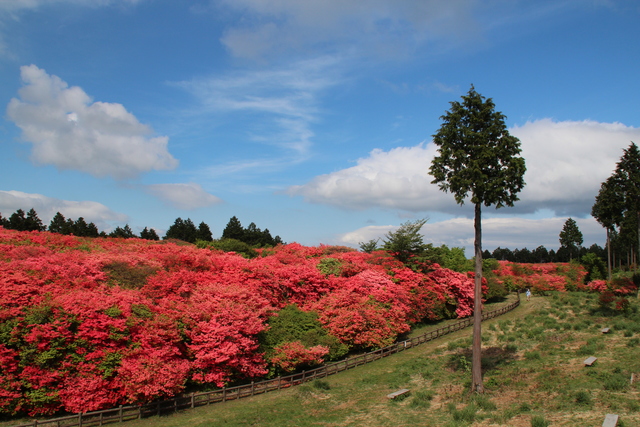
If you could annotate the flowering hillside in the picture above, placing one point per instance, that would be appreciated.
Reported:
(552, 276)
(87, 324)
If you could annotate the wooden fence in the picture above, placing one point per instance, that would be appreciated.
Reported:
(126, 413)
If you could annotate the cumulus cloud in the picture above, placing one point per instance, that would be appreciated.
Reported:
(509, 233)
(377, 27)
(395, 179)
(183, 196)
(46, 207)
(70, 131)
(566, 162)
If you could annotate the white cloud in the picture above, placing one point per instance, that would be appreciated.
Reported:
(46, 207)
(183, 196)
(566, 162)
(509, 233)
(395, 179)
(70, 131)
(387, 28)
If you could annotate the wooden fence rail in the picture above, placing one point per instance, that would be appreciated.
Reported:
(126, 413)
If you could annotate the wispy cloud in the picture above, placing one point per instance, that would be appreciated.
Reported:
(278, 105)
(387, 28)
(70, 131)
(17, 5)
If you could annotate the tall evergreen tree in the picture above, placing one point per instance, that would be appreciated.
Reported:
(233, 230)
(183, 230)
(204, 232)
(58, 224)
(477, 155)
(123, 232)
(81, 228)
(628, 175)
(149, 234)
(571, 237)
(606, 210)
(17, 220)
(33, 222)
(92, 230)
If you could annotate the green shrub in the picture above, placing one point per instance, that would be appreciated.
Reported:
(524, 407)
(128, 276)
(539, 421)
(292, 324)
(234, 245)
(113, 312)
(142, 311)
(459, 362)
(532, 355)
(483, 402)
(422, 399)
(633, 406)
(583, 398)
(467, 415)
(330, 267)
(321, 385)
(615, 382)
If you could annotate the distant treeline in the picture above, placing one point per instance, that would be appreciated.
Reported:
(542, 255)
(184, 230)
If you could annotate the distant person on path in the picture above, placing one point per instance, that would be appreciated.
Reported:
(528, 293)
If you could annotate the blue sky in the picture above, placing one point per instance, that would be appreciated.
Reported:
(311, 119)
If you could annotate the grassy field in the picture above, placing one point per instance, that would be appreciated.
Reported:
(534, 376)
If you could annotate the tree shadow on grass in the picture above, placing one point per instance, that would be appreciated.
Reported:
(492, 358)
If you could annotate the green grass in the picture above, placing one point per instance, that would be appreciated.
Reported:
(533, 376)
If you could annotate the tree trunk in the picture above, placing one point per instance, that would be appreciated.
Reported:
(608, 255)
(635, 270)
(476, 362)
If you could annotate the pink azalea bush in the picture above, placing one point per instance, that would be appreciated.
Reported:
(541, 277)
(88, 324)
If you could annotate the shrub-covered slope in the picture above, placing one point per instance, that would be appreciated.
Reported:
(89, 323)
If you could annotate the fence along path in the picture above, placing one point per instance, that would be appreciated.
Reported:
(126, 413)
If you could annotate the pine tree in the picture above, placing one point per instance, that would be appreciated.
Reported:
(204, 232)
(58, 224)
(149, 234)
(17, 220)
(571, 237)
(183, 230)
(32, 222)
(234, 230)
(406, 241)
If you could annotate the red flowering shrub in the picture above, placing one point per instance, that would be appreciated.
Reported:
(597, 285)
(87, 324)
(291, 356)
(541, 277)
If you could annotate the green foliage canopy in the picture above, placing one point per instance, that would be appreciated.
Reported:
(477, 155)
